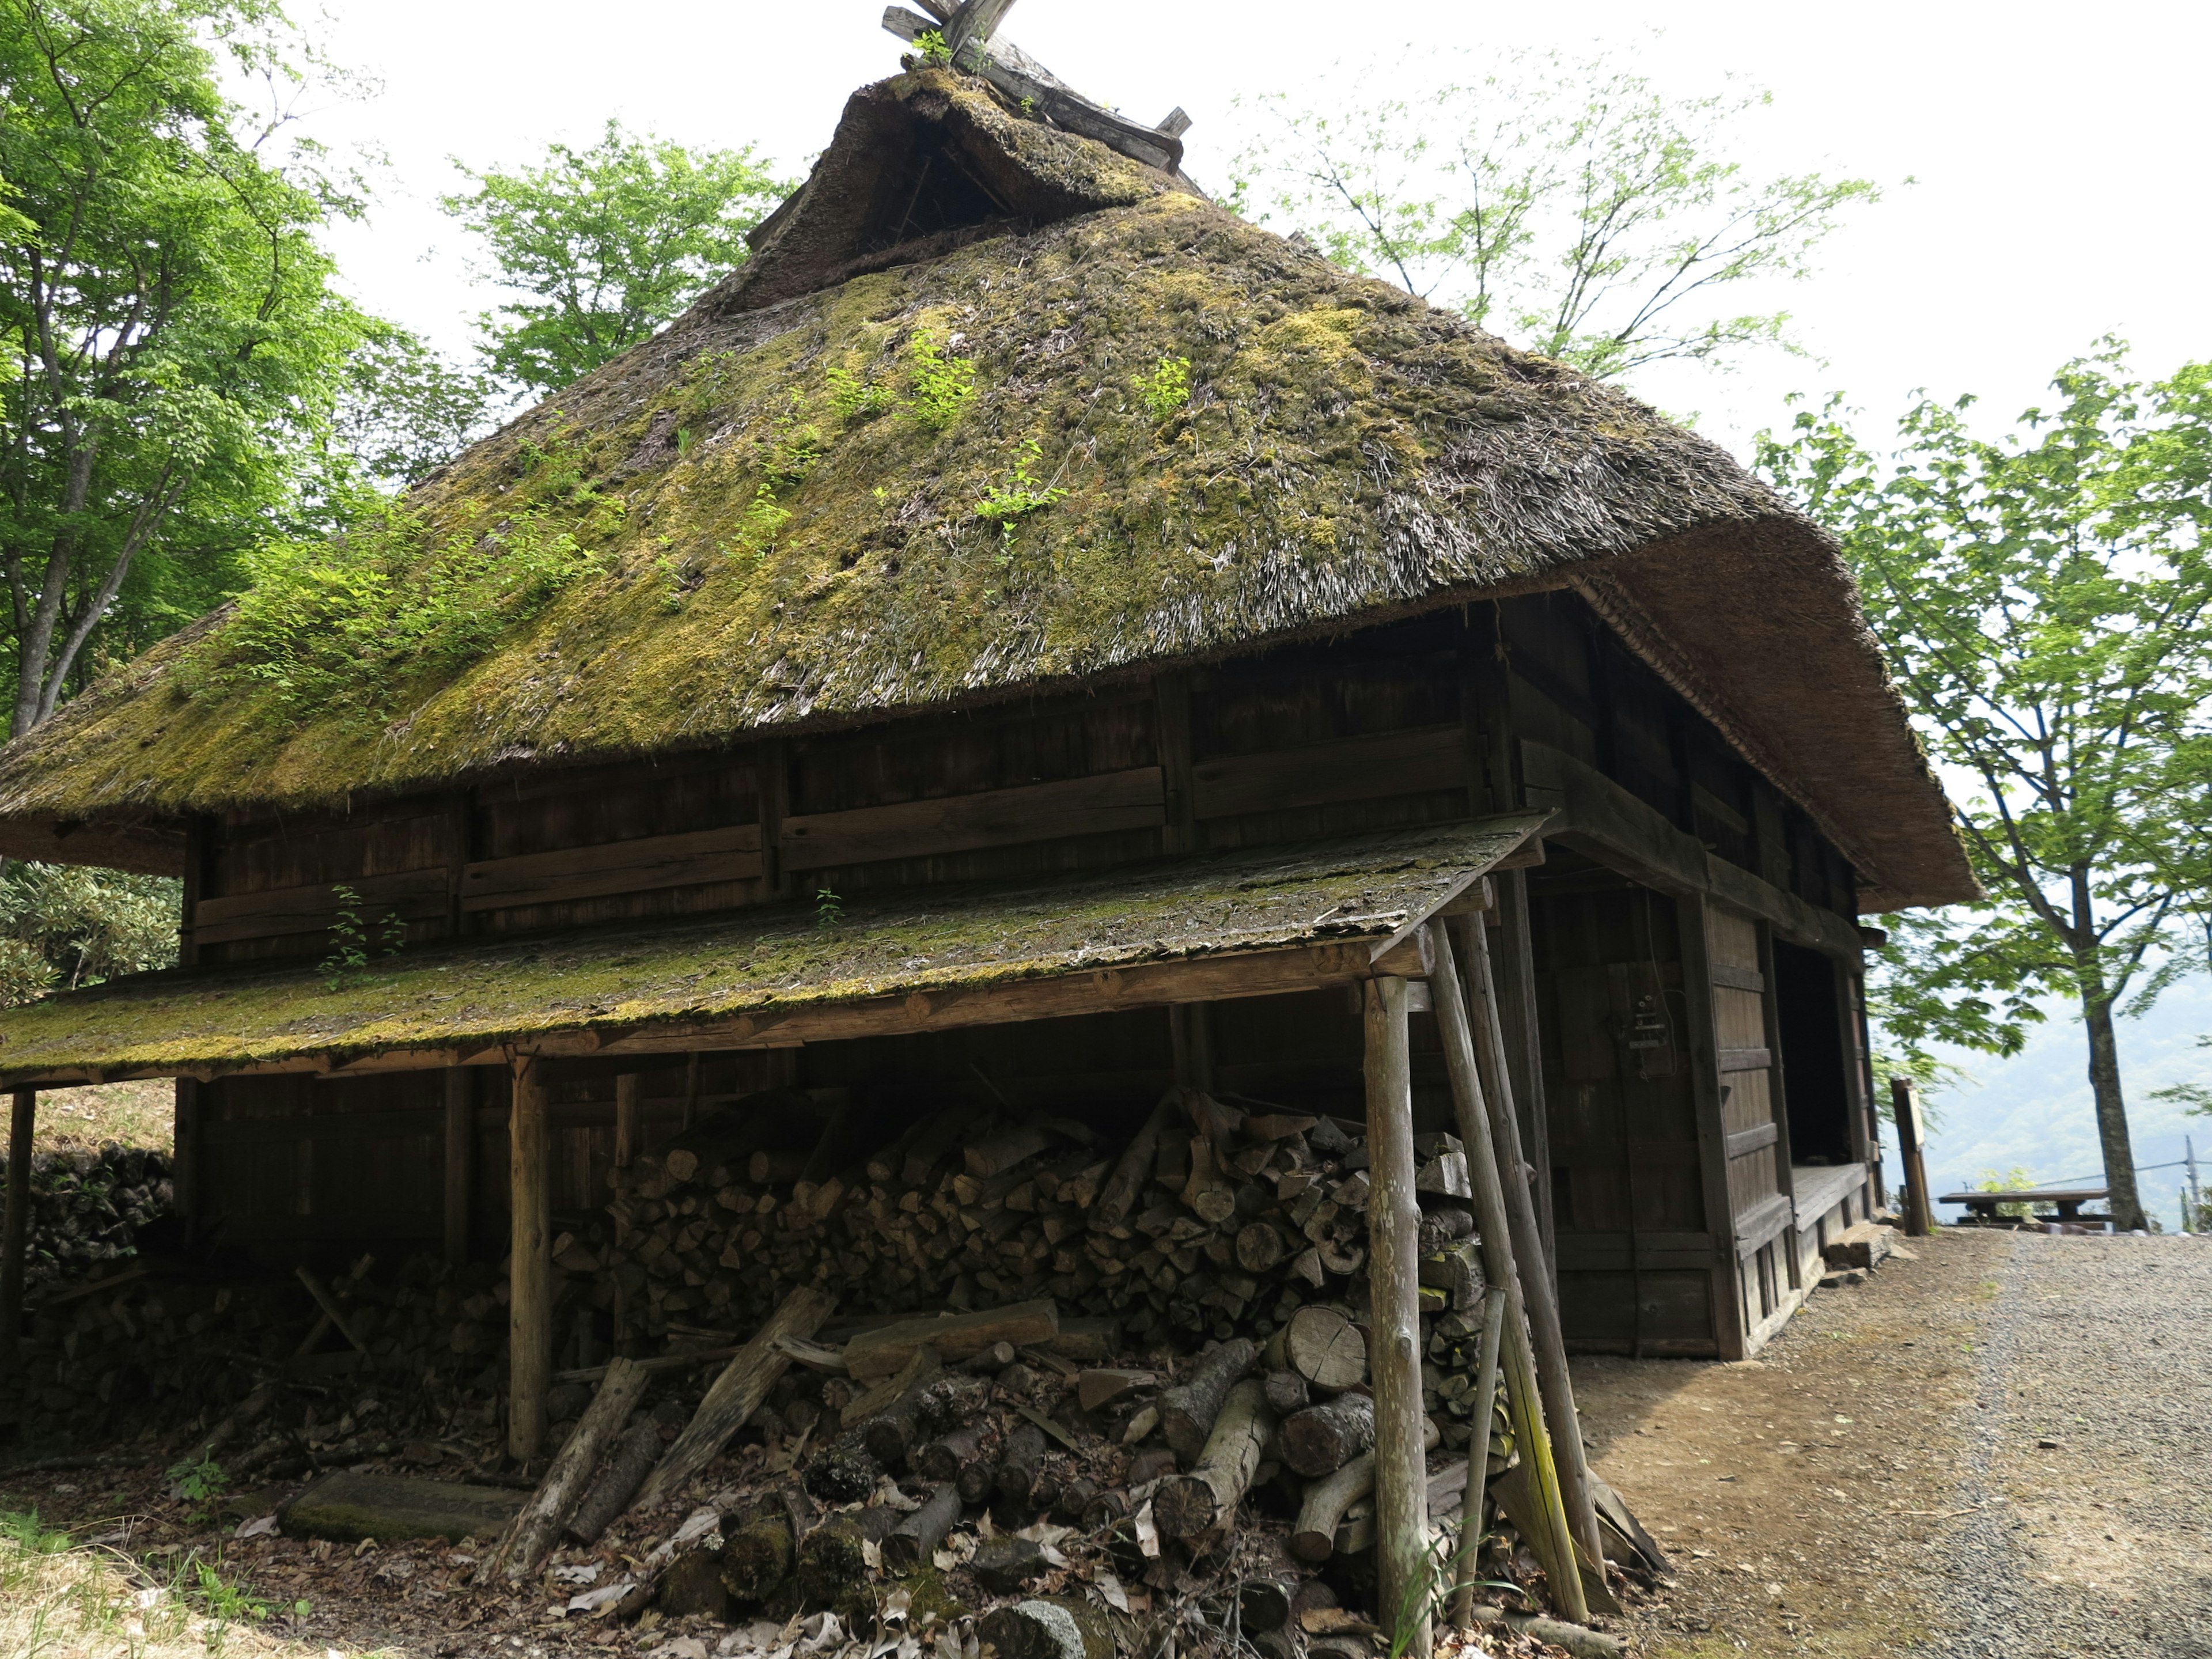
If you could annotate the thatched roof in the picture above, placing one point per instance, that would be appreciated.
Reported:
(602, 986)
(752, 524)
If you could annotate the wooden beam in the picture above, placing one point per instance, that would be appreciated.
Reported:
(1702, 1051)
(1554, 1543)
(1540, 1286)
(1393, 1263)
(1130, 799)
(1411, 762)
(646, 864)
(16, 1226)
(461, 1160)
(530, 1274)
(977, 21)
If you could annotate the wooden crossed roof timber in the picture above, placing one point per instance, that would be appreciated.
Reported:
(970, 33)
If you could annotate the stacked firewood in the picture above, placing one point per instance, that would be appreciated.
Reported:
(87, 1207)
(1213, 1222)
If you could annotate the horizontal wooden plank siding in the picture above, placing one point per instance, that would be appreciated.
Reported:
(651, 862)
(283, 911)
(1349, 769)
(1745, 1060)
(1131, 799)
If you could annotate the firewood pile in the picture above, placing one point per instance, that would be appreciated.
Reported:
(87, 1207)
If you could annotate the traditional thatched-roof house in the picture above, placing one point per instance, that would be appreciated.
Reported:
(1025, 597)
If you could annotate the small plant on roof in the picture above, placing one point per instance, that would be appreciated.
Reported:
(1007, 503)
(350, 941)
(941, 386)
(793, 452)
(854, 399)
(829, 908)
(760, 524)
(931, 47)
(1165, 388)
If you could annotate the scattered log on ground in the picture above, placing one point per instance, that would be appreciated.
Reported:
(915, 1538)
(883, 1352)
(757, 1556)
(738, 1392)
(1021, 1461)
(1187, 1410)
(348, 1508)
(538, 1528)
(945, 1457)
(1190, 1505)
(620, 1475)
(1287, 1392)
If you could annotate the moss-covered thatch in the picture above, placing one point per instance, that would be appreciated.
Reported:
(613, 981)
(834, 491)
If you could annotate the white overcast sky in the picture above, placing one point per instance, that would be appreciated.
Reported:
(2059, 156)
(2059, 152)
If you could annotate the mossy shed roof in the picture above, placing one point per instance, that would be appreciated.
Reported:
(610, 983)
(784, 513)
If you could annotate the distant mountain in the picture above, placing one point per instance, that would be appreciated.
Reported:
(2034, 1111)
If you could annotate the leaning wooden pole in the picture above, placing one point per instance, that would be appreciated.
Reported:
(1919, 1209)
(1478, 1458)
(1554, 1547)
(16, 1228)
(1393, 1263)
(1538, 1288)
(530, 1272)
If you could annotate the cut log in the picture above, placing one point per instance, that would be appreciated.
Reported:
(1205, 1500)
(1260, 1247)
(350, 1507)
(1326, 1348)
(833, 1564)
(883, 1352)
(756, 1556)
(1210, 1195)
(1287, 1392)
(739, 1391)
(1129, 1175)
(1189, 1409)
(1021, 1461)
(1313, 1539)
(620, 1476)
(914, 1539)
(691, 1586)
(538, 1528)
(1031, 1629)
(1324, 1438)
(891, 1431)
(1098, 1388)
(942, 1459)
(1001, 1152)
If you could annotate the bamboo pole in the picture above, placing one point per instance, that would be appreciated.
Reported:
(15, 1229)
(1478, 1457)
(1539, 1291)
(461, 1160)
(530, 1272)
(1402, 1517)
(1554, 1547)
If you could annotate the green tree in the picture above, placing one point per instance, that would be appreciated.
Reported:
(1567, 202)
(175, 345)
(611, 241)
(2042, 599)
(65, 925)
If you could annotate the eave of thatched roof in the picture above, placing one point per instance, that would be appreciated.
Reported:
(589, 992)
(1349, 455)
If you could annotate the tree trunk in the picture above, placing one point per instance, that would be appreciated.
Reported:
(2126, 1204)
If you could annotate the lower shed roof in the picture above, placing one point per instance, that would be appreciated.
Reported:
(1251, 922)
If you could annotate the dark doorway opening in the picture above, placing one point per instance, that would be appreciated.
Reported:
(1810, 1018)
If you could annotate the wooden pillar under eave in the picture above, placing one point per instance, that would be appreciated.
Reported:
(1401, 1506)
(530, 1272)
(16, 1226)
(461, 1160)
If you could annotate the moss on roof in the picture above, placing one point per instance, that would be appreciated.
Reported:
(480, 995)
(748, 524)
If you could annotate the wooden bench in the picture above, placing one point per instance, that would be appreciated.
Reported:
(2069, 1199)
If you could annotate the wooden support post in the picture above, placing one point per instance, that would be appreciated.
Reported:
(1393, 1261)
(460, 1159)
(1554, 1545)
(1171, 705)
(1540, 1290)
(1709, 1094)
(185, 1178)
(530, 1274)
(1919, 1212)
(1478, 1458)
(630, 1111)
(1190, 1030)
(15, 1227)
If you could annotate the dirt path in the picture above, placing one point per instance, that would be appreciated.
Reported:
(1874, 1483)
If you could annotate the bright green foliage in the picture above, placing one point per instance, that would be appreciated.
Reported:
(940, 387)
(854, 399)
(351, 943)
(930, 44)
(2042, 600)
(1016, 496)
(66, 925)
(2013, 1180)
(196, 1483)
(611, 241)
(176, 348)
(1166, 388)
(1568, 204)
(403, 410)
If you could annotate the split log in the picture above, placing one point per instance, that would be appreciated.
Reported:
(1326, 1348)
(1208, 1195)
(1260, 1247)
(739, 1391)
(620, 1476)
(1101, 1387)
(538, 1528)
(1130, 1174)
(914, 1539)
(1324, 1438)
(1287, 1392)
(1187, 1411)
(1188, 1505)
(756, 1556)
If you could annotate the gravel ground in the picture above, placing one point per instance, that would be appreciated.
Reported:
(2088, 1464)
